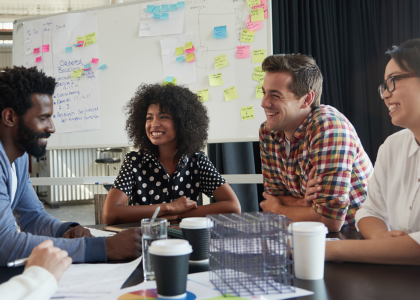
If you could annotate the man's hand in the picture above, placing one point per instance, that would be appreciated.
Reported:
(76, 232)
(394, 233)
(53, 259)
(271, 203)
(312, 189)
(124, 245)
(180, 205)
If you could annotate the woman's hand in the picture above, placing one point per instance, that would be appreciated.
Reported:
(180, 205)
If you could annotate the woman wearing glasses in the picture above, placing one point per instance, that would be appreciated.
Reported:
(389, 219)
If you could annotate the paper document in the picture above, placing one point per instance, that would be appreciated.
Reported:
(97, 233)
(152, 25)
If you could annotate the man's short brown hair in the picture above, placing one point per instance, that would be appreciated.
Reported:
(305, 72)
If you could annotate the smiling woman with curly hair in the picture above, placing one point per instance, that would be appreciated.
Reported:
(169, 125)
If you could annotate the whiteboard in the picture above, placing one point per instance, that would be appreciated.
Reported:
(132, 60)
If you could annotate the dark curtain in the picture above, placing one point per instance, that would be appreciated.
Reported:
(348, 39)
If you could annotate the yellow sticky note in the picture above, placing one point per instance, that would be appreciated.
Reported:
(190, 57)
(258, 76)
(247, 36)
(90, 38)
(216, 79)
(231, 93)
(258, 92)
(76, 73)
(188, 45)
(258, 69)
(253, 2)
(220, 61)
(258, 56)
(79, 39)
(247, 113)
(203, 95)
(179, 50)
(257, 14)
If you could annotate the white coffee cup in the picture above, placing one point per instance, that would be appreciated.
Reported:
(309, 249)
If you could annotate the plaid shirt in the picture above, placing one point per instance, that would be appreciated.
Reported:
(327, 141)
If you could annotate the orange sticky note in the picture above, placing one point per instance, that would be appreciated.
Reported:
(45, 48)
(190, 57)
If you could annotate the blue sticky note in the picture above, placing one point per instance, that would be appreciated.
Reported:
(180, 4)
(219, 32)
(86, 66)
(156, 9)
(169, 78)
(150, 8)
(164, 8)
(180, 58)
(102, 67)
(69, 49)
(156, 16)
(172, 7)
(165, 16)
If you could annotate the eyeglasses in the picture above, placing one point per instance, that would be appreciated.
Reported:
(389, 84)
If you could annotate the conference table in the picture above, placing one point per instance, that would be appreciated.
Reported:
(344, 281)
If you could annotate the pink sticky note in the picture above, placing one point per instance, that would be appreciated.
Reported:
(38, 59)
(86, 69)
(242, 51)
(45, 48)
(258, 6)
(36, 50)
(95, 60)
(190, 50)
(253, 25)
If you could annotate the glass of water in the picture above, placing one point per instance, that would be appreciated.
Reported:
(156, 231)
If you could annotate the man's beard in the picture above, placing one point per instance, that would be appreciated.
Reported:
(29, 140)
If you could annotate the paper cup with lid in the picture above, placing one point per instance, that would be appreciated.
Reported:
(195, 232)
(170, 264)
(309, 249)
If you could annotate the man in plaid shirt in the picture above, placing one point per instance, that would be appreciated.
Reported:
(313, 163)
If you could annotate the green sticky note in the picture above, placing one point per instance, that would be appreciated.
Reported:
(179, 50)
(258, 76)
(90, 39)
(220, 61)
(247, 36)
(257, 14)
(188, 45)
(203, 95)
(169, 80)
(231, 93)
(76, 73)
(247, 113)
(216, 79)
(259, 92)
(253, 2)
(258, 56)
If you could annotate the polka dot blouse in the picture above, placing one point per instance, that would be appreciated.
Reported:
(145, 181)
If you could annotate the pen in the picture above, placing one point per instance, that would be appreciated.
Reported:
(18, 262)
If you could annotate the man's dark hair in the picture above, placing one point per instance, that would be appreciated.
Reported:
(188, 113)
(407, 55)
(17, 84)
(306, 74)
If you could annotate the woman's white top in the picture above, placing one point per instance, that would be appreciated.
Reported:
(393, 191)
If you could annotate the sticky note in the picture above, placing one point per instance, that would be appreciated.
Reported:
(156, 16)
(216, 79)
(252, 26)
(36, 50)
(220, 61)
(257, 14)
(247, 36)
(258, 92)
(247, 113)
(86, 69)
(169, 80)
(164, 16)
(190, 50)
(38, 59)
(45, 48)
(219, 32)
(231, 93)
(253, 2)
(180, 4)
(258, 69)
(258, 76)
(188, 45)
(86, 66)
(69, 49)
(179, 50)
(180, 59)
(90, 39)
(95, 60)
(156, 9)
(172, 7)
(242, 51)
(77, 73)
(80, 40)
(164, 8)
(150, 8)
(102, 67)
(79, 44)
(203, 95)
(258, 56)
(190, 57)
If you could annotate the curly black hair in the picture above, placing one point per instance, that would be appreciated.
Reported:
(18, 84)
(189, 116)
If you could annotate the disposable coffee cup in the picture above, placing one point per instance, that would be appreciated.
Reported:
(170, 264)
(194, 230)
(309, 249)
